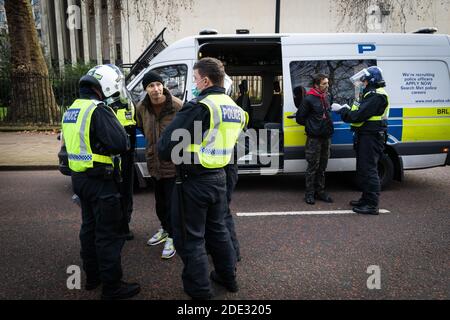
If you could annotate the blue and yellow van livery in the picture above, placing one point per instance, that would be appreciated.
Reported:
(270, 70)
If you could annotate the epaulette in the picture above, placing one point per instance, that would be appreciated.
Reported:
(97, 102)
(197, 100)
(194, 100)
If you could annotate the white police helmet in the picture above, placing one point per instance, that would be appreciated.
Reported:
(228, 85)
(108, 78)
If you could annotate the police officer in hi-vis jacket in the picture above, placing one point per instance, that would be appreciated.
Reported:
(94, 137)
(213, 123)
(368, 120)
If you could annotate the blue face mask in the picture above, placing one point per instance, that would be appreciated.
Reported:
(195, 91)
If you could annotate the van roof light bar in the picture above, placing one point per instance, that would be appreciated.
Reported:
(426, 30)
(206, 32)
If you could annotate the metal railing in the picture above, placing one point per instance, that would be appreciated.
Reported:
(29, 96)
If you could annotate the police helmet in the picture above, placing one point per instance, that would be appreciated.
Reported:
(228, 85)
(108, 79)
(373, 75)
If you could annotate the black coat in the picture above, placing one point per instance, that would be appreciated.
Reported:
(315, 115)
(373, 104)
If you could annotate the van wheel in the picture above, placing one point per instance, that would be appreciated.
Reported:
(385, 171)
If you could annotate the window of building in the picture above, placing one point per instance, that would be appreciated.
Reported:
(338, 71)
(174, 78)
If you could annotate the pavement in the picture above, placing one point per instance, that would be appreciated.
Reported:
(28, 150)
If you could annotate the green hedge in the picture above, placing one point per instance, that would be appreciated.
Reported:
(3, 113)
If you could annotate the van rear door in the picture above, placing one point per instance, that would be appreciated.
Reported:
(155, 47)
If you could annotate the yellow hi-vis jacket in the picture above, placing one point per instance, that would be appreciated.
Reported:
(76, 125)
(385, 114)
(126, 116)
(227, 120)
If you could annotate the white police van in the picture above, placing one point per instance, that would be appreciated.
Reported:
(273, 70)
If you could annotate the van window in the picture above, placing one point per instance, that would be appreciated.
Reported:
(339, 72)
(174, 78)
(255, 88)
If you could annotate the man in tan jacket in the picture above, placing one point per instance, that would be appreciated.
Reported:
(153, 114)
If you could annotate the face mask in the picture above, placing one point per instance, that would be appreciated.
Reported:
(195, 91)
(111, 100)
(361, 89)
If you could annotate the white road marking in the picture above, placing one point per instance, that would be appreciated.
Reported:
(296, 213)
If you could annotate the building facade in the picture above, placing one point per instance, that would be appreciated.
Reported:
(117, 31)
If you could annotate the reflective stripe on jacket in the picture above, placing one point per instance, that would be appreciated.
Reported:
(385, 114)
(76, 125)
(227, 120)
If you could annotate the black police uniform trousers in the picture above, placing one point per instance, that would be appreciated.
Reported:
(102, 230)
(369, 149)
(205, 206)
(231, 172)
(126, 186)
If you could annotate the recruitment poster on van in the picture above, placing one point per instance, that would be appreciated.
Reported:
(418, 82)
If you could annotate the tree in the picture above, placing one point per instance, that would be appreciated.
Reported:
(32, 98)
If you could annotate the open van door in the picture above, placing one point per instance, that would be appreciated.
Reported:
(155, 47)
(254, 64)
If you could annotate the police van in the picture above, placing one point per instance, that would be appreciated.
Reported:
(271, 73)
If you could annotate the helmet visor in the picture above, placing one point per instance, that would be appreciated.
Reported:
(356, 78)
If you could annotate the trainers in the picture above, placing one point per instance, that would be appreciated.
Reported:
(158, 237)
(169, 249)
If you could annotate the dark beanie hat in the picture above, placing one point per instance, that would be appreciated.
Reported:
(150, 77)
